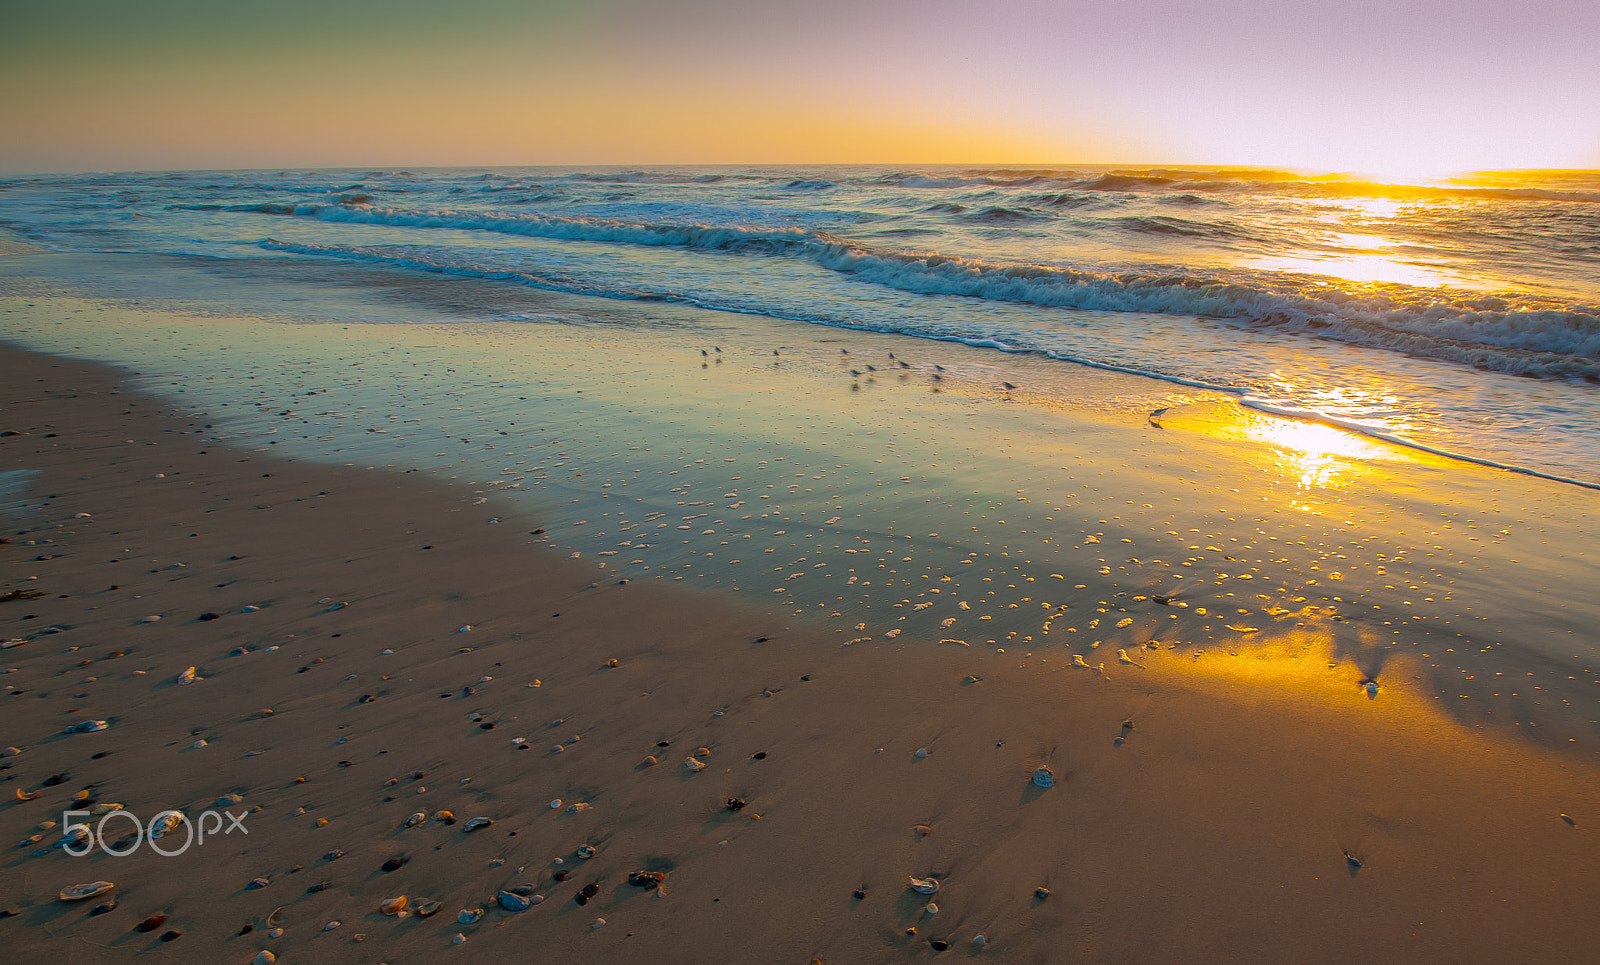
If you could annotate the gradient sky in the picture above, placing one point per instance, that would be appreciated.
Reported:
(1387, 87)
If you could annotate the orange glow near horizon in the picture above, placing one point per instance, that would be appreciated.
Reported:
(1401, 94)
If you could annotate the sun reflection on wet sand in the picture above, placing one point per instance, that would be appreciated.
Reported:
(1315, 455)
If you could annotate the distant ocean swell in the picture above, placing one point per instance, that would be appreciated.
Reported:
(1516, 335)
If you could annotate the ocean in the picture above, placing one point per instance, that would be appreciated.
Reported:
(1462, 317)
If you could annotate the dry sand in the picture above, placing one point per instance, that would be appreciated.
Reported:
(1215, 829)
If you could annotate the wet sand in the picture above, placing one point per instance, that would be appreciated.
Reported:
(1201, 809)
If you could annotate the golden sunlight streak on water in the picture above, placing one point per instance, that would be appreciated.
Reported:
(1314, 455)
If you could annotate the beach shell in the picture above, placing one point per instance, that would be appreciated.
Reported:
(74, 836)
(694, 765)
(26, 795)
(925, 886)
(393, 906)
(89, 890)
(1041, 893)
(512, 902)
(979, 940)
(921, 753)
(477, 823)
(86, 727)
(555, 804)
(646, 879)
(330, 926)
(264, 958)
(1044, 777)
(598, 923)
(1372, 689)
(586, 851)
(469, 916)
(227, 800)
(445, 817)
(187, 677)
(459, 939)
(425, 907)
(256, 883)
(416, 819)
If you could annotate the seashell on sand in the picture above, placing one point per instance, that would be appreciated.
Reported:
(1044, 777)
(925, 886)
(88, 890)
(513, 902)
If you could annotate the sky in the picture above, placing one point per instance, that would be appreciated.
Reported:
(1392, 88)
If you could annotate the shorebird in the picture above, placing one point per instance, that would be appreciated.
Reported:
(1008, 385)
(1155, 417)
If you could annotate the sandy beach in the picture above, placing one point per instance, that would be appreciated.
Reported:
(370, 644)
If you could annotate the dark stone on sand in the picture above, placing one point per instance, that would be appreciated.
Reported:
(204, 617)
(395, 863)
(151, 924)
(173, 935)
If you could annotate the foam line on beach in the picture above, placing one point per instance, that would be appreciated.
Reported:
(1518, 335)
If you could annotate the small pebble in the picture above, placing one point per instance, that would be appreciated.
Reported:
(921, 753)
(459, 939)
(264, 958)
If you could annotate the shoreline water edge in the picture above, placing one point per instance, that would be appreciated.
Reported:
(748, 637)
